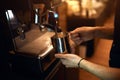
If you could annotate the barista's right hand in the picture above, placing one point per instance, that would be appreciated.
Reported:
(69, 60)
(82, 34)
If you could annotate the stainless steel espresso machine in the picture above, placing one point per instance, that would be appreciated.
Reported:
(31, 31)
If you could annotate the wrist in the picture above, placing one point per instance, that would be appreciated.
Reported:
(79, 63)
(98, 31)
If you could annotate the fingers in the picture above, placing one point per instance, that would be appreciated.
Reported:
(73, 35)
(62, 56)
(65, 61)
(76, 37)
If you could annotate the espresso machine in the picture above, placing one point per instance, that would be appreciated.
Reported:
(35, 41)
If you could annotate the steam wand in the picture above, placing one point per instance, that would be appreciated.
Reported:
(56, 30)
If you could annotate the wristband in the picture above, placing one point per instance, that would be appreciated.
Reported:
(80, 61)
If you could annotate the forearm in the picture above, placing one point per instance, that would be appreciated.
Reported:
(104, 73)
(104, 32)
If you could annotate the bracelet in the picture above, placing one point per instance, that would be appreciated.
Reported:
(80, 61)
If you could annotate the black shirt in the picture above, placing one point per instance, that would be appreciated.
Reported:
(115, 50)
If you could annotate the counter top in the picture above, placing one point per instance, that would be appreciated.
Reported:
(36, 42)
(38, 47)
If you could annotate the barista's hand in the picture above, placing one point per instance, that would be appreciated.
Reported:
(69, 60)
(82, 34)
(72, 46)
